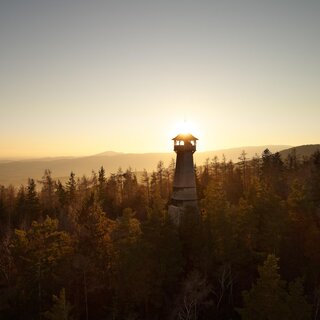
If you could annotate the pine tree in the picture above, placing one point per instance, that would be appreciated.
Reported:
(47, 195)
(266, 299)
(102, 185)
(71, 187)
(61, 193)
(40, 256)
(32, 202)
(269, 299)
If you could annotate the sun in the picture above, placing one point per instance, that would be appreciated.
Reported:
(185, 127)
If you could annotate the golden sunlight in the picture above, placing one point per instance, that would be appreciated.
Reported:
(185, 127)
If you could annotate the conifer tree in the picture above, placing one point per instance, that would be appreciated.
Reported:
(47, 195)
(268, 299)
(71, 187)
(32, 204)
(39, 255)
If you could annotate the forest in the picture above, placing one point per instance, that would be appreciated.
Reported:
(103, 247)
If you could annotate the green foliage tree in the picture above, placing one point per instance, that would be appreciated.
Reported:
(218, 223)
(48, 199)
(126, 265)
(269, 298)
(110, 243)
(162, 260)
(61, 194)
(71, 187)
(32, 204)
(102, 181)
(7, 209)
(272, 172)
(40, 255)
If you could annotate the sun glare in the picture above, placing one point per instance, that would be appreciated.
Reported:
(185, 127)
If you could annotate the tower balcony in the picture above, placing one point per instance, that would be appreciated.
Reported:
(185, 147)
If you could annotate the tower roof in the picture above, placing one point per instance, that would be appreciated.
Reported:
(185, 137)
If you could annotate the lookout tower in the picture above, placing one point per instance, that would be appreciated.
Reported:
(184, 185)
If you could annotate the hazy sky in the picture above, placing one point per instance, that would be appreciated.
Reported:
(82, 77)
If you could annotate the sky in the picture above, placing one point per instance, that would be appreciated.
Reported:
(83, 77)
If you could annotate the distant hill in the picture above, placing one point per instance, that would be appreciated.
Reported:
(18, 172)
(234, 153)
(109, 153)
(301, 151)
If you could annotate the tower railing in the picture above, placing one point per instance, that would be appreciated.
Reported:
(185, 148)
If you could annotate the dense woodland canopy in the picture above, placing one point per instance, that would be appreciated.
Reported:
(104, 247)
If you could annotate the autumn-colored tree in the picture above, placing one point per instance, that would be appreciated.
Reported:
(162, 261)
(48, 200)
(71, 187)
(110, 243)
(126, 265)
(32, 204)
(40, 255)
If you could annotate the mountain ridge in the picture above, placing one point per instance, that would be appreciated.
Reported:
(17, 172)
(305, 150)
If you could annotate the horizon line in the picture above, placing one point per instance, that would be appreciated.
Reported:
(115, 153)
